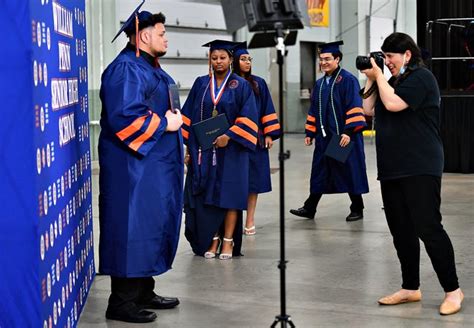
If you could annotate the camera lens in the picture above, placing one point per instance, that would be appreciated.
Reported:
(363, 62)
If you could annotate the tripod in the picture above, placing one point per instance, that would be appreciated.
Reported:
(283, 318)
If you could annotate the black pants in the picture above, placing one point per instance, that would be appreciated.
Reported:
(311, 203)
(128, 292)
(412, 209)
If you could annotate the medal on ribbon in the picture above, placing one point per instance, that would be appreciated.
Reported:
(217, 97)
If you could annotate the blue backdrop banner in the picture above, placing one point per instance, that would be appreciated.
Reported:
(46, 253)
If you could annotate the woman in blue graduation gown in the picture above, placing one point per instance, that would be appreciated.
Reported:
(268, 130)
(216, 187)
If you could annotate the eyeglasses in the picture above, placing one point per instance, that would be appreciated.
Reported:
(246, 59)
(326, 60)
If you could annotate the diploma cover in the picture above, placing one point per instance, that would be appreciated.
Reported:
(208, 130)
(174, 97)
(335, 151)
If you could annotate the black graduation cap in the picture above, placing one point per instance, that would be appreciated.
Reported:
(129, 27)
(241, 49)
(330, 47)
(221, 45)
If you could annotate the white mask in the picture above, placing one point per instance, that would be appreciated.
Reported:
(404, 67)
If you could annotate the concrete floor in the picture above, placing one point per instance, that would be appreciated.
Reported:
(336, 270)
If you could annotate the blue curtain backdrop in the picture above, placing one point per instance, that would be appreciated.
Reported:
(19, 260)
(46, 239)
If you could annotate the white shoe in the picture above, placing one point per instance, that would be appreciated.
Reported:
(249, 231)
(211, 255)
(226, 256)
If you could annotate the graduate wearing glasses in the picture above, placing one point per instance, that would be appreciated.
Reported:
(268, 130)
(336, 109)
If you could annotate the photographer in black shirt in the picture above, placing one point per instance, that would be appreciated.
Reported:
(410, 165)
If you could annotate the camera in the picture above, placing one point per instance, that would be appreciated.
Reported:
(363, 62)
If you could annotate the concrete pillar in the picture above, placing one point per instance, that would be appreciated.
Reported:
(101, 28)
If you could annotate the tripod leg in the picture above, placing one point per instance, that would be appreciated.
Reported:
(274, 323)
(292, 325)
(284, 321)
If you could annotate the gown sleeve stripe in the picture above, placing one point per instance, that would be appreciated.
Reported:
(355, 110)
(244, 134)
(186, 120)
(310, 128)
(270, 117)
(185, 133)
(155, 122)
(132, 128)
(271, 128)
(247, 122)
(358, 118)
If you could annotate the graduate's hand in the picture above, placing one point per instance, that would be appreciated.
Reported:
(308, 141)
(221, 141)
(345, 139)
(187, 158)
(268, 142)
(175, 120)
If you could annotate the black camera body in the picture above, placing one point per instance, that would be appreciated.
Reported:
(363, 62)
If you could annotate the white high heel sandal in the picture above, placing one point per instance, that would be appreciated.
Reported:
(227, 256)
(249, 231)
(211, 255)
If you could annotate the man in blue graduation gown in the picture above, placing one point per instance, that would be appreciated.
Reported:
(141, 172)
(336, 109)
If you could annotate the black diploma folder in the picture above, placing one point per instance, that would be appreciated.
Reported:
(208, 130)
(335, 151)
(174, 97)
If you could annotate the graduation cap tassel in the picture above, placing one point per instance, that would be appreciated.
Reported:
(210, 68)
(137, 38)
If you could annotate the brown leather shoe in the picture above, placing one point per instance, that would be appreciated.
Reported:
(398, 298)
(449, 307)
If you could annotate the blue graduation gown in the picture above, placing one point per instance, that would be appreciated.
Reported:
(211, 190)
(268, 125)
(328, 175)
(141, 171)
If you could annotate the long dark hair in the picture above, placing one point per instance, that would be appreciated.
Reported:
(247, 75)
(399, 43)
